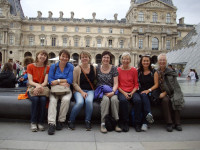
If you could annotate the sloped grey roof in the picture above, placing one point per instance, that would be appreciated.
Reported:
(16, 7)
(169, 2)
(187, 51)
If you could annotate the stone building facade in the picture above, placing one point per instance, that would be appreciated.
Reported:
(150, 27)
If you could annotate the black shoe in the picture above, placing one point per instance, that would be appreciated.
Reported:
(88, 125)
(71, 125)
(138, 128)
(178, 127)
(51, 129)
(59, 125)
(125, 127)
(169, 128)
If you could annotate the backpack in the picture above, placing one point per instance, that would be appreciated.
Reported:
(110, 123)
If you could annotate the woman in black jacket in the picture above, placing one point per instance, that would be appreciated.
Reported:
(7, 76)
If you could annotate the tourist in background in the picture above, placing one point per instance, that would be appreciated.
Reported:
(171, 95)
(128, 85)
(148, 81)
(38, 78)
(7, 77)
(107, 84)
(61, 74)
(83, 90)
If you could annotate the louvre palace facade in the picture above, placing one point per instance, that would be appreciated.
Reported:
(149, 27)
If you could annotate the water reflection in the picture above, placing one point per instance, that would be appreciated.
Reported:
(189, 86)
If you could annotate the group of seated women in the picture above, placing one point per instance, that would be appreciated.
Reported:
(116, 89)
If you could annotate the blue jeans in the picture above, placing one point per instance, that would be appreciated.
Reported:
(124, 111)
(79, 104)
(146, 106)
(38, 108)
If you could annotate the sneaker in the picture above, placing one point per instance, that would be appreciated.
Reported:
(149, 118)
(118, 129)
(103, 128)
(138, 128)
(178, 127)
(125, 127)
(71, 125)
(59, 125)
(51, 129)
(144, 127)
(33, 127)
(169, 128)
(88, 125)
(40, 127)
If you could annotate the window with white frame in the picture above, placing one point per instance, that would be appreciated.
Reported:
(168, 45)
(121, 31)
(42, 41)
(64, 41)
(87, 42)
(53, 41)
(76, 42)
(65, 28)
(140, 43)
(87, 29)
(155, 17)
(121, 43)
(168, 18)
(11, 39)
(155, 44)
(110, 30)
(99, 42)
(140, 30)
(42, 28)
(53, 28)
(109, 43)
(99, 30)
(31, 40)
(76, 29)
(31, 27)
(140, 16)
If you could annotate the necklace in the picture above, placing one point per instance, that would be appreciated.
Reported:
(105, 69)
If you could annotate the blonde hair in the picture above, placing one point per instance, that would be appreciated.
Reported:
(86, 54)
(126, 54)
(162, 54)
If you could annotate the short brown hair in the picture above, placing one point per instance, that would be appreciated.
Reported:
(64, 52)
(106, 53)
(42, 52)
(7, 67)
(28, 60)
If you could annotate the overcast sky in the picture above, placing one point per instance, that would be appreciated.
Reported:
(190, 9)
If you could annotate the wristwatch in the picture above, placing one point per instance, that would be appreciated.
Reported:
(149, 90)
(58, 80)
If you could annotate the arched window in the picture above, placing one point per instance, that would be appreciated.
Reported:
(52, 55)
(155, 44)
(98, 58)
(75, 56)
(27, 54)
(155, 17)
(168, 18)
(140, 16)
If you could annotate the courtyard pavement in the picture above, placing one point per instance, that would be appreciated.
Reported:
(16, 135)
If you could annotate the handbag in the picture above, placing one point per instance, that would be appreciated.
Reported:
(60, 90)
(87, 78)
(45, 88)
(154, 96)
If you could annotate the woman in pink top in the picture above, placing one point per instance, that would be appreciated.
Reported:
(128, 85)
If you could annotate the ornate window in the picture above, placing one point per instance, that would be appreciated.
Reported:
(155, 17)
(99, 30)
(121, 43)
(87, 29)
(87, 41)
(42, 28)
(121, 31)
(140, 30)
(65, 28)
(168, 45)
(11, 39)
(31, 27)
(140, 43)
(53, 41)
(53, 28)
(140, 16)
(76, 29)
(31, 40)
(64, 41)
(42, 41)
(99, 42)
(155, 44)
(76, 42)
(168, 18)
(110, 43)
(110, 30)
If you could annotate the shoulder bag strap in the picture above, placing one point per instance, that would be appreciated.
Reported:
(87, 78)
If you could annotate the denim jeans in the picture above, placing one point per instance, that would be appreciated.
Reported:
(146, 106)
(124, 111)
(38, 108)
(79, 104)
